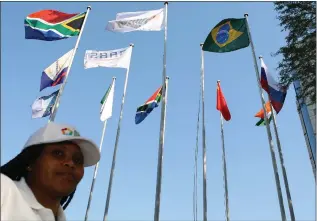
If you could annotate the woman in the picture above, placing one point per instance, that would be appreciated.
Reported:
(40, 182)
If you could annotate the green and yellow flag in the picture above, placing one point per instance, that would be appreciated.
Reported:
(228, 35)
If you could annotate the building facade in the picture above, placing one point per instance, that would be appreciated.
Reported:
(307, 115)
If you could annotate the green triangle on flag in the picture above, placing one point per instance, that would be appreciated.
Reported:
(261, 122)
(107, 102)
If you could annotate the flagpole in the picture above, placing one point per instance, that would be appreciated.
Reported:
(116, 143)
(204, 135)
(289, 199)
(160, 155)
(277, 180)
(55, 107)
(97, 165)
(224, 168)
(95, 172)
(162, 126)
(196, 156)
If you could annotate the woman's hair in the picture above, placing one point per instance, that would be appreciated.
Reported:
(17, 168)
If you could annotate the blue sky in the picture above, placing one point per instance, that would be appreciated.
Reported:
(252, 190)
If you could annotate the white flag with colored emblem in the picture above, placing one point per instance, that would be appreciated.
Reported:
(42, 106)
(107, 102)
(118, 58)
(56, 73)
(151, 20)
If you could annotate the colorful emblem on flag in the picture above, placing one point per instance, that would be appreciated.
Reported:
(228, 35)
(144, 110)
(52, 25)
(225, 34)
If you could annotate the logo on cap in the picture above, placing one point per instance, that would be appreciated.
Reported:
(70, 132)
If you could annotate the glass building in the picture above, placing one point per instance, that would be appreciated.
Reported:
(307, 115)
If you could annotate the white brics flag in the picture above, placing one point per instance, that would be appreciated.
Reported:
(151, 20)
(118, 58)
(107, 102)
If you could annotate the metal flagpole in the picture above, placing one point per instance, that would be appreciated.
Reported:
(162, 127)
(289, 199)
(277, 180)
(116, 144)
(204, 135)
(97, 165)
(196, 156)
(95, 172)
(224, 169)
(160, 155)
(55, 107)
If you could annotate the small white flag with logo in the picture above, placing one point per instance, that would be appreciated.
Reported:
(151, 20)
(107, 103)
(118, 58)
(42, 106)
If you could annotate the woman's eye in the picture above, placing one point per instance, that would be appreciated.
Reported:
(79, 161)
(58, 153)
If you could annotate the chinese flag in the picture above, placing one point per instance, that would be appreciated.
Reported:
(222, 104)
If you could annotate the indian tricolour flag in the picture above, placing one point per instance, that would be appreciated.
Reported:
(107, 102)
(260, 114)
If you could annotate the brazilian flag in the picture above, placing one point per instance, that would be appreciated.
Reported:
(228, 35)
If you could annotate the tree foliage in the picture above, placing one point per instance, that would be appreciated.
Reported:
(299, 53)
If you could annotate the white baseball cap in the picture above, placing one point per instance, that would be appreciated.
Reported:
(54, 133)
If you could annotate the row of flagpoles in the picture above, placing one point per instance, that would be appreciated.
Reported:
(228, 35)
(47, 25)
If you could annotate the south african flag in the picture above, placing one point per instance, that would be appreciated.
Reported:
(52, 25)
(144, 110)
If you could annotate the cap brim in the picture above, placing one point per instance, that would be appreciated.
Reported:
(88, 148)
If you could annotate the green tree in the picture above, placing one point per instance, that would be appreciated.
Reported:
(299, 54)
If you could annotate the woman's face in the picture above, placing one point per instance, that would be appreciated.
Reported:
(58, 170)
